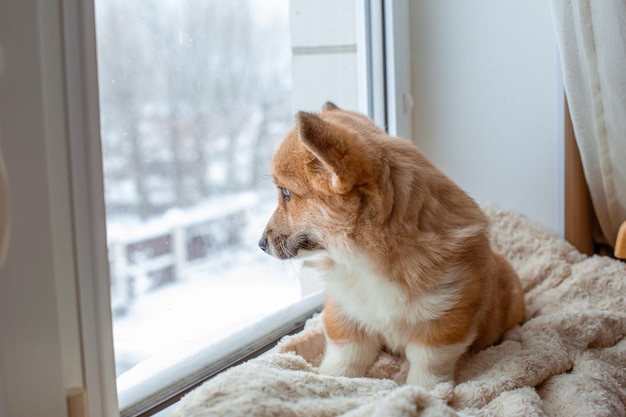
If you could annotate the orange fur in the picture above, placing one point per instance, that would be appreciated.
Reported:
(338, 328)
(381, 215)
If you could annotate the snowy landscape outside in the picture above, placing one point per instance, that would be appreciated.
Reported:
(195, 96)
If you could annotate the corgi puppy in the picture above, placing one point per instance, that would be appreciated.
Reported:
(403, 251)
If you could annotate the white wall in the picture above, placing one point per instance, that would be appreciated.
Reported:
(47, 106)
(488, 96)
(31, 359)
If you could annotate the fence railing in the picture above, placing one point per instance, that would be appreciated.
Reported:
(147, 255)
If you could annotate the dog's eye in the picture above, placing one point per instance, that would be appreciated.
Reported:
(286, 194)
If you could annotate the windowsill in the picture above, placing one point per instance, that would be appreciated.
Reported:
(161, 381)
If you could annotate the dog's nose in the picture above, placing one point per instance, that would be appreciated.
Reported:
(263, 244)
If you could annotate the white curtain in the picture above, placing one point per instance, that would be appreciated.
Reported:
(592, 43)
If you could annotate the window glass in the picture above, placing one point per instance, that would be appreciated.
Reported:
(195, 96)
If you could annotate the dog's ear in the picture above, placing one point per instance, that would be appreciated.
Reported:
(342, 154)
(328, 106)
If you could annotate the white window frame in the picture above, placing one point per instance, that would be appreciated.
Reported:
(371, 60)
(90, 250)
(60, 173)
(397, 61)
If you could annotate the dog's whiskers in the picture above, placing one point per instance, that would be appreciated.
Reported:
(258, 180)
(285, 250)
(295, 270)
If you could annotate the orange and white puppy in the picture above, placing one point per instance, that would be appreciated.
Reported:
(404, 252)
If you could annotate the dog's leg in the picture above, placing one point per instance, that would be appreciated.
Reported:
(430, 365)
(349, 358)
(350, 349)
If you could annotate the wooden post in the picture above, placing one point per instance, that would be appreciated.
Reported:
(121, 273)
(579, 214)
(179, 249)
(620, 242)
(76, 402)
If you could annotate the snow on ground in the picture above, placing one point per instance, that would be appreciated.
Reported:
(231, 290)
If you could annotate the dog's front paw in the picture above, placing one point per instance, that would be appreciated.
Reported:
(348, 359)
(340, 368)
(430, 365)
(426, 379)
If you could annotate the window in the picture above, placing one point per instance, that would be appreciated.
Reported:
(195, 96)
(192, 108)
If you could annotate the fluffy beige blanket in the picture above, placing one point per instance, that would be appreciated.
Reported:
(568, 358)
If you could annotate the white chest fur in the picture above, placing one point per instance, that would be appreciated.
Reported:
(380, 304)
